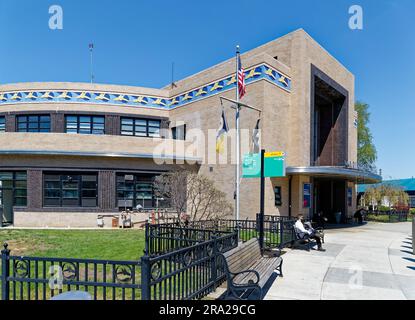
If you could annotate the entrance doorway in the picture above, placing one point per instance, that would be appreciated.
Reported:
(13, 193)
(6, 203)
(330, 198)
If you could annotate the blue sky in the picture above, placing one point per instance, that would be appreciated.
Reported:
(137, 41)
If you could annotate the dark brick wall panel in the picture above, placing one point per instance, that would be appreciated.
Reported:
(57, 122)
(34, 189)
(112, 124)
(10, 123)
(106, 190)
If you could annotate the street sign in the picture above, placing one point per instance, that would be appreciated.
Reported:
(274, 154)
(251, 165)
(274, 163)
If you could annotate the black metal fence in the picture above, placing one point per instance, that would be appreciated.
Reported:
(39, 278)
(387, 216)
(278, 230)
(178, 268)
(179, 263)
(167, 237)
(187, 273)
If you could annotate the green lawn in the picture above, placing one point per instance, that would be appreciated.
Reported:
(87, 244)
(82, 244)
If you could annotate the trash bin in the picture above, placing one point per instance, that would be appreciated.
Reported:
(115, 222)
(338, 216)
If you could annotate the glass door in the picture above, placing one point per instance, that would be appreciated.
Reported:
(6, 204)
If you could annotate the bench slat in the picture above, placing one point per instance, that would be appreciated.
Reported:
(265, 267)
(247, 254)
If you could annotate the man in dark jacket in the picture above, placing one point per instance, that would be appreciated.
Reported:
(359, 215)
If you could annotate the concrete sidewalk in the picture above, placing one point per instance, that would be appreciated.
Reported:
(373, 261)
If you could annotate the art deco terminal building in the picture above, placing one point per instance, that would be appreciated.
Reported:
(71, 151)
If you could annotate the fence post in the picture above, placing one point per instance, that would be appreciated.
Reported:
(214, 270)
(236, 230)
(5, 272)
(147, 240)
(145, 278)
(281, 224)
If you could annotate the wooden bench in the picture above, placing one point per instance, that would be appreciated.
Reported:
(248, 270)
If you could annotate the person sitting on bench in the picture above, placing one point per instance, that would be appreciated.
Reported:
(310, 233)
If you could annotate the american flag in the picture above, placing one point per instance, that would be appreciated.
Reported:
(241, 79)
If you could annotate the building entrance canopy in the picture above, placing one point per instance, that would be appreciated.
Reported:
(359, 176)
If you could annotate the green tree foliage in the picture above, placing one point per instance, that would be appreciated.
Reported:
(391, 196)
(366, 150)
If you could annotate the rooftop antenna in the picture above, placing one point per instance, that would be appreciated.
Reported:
(173, 84)
(91, 49)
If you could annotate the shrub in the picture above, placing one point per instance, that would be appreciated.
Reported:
(384, 208)
(378, 218)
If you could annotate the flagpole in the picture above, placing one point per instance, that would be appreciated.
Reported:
(91, 48)
(237, 174)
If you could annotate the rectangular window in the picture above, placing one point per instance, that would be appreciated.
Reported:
(70, 190)
(33, 123)
(140, 127)
(137, 190)
(179, 132)
(278, 196)
(85, 124)
(2, 124)
(13, 187)
(412, 201)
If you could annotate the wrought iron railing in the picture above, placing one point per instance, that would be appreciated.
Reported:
(180, 262)
(40, 278)
(278, 230)
(187, 269)
(187, 273)
(388, 216)
(167, 237)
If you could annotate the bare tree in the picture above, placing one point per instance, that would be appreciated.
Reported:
(172, 186)
(193, 194)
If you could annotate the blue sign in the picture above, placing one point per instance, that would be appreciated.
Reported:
(306, 195)
(349, 197)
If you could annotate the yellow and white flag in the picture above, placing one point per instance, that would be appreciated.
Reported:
(222, 131)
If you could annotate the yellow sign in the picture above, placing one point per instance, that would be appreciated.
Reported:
(274, 154)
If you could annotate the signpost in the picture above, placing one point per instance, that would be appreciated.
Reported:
(262, 203)
(262, 165)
